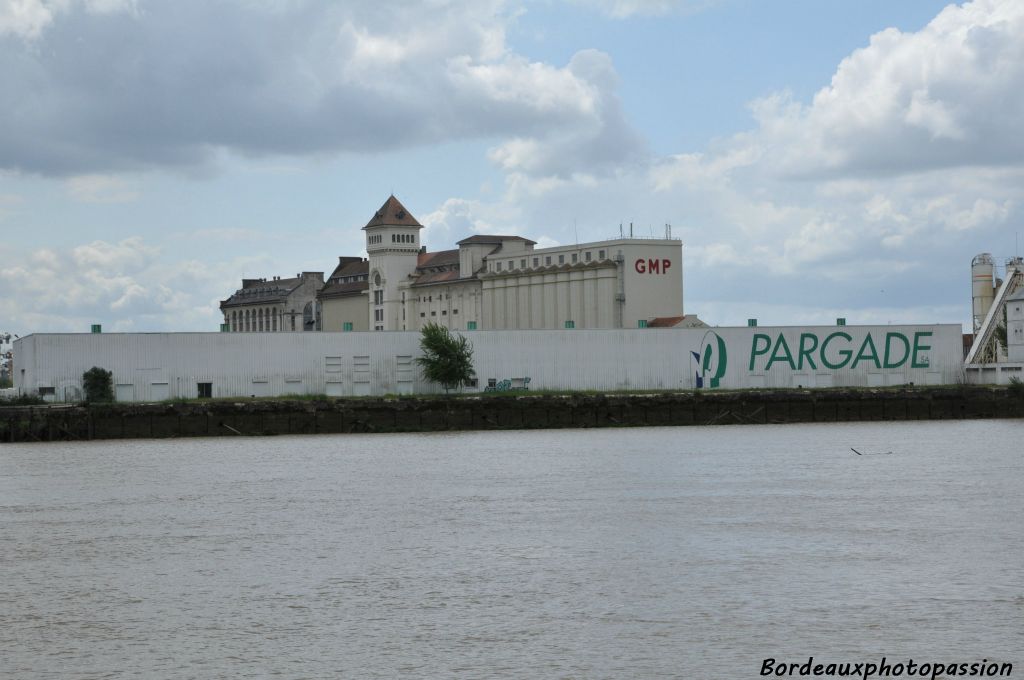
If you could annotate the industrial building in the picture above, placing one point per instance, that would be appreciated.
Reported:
(158, 366)
(489, 282)
(996, 355)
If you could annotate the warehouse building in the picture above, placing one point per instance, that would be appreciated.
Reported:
(489, 282)
(156, 366)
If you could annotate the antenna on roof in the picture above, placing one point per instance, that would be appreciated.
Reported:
(620, 229)
(631, 230)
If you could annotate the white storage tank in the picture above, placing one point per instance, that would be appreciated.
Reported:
(982, 287)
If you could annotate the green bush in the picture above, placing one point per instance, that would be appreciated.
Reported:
(22, 400)
(447, 358)
(98, 385)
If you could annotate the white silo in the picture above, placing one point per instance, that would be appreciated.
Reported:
(983, 291)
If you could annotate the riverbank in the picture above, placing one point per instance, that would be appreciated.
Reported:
(233, 418)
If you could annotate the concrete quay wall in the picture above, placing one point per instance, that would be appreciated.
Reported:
(500, 412)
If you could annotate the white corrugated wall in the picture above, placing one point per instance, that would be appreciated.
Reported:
(149, 366)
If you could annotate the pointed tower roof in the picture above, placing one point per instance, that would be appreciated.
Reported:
(392, 214)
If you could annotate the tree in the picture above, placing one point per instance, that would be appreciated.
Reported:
(98, 385)
(447, 358)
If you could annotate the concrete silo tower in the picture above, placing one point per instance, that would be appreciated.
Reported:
(982, 287)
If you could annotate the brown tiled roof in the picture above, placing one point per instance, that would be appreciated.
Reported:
(350, 266)
(665, 321)
(336, 290)
(492, 239)
(392, 214)
(436, 277)
(440, 258)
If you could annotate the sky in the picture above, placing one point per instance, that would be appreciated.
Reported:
(818, 158)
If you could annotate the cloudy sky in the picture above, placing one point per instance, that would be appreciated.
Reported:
(818, 158)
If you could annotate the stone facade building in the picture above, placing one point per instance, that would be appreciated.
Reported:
(490, 282)
(275, 305)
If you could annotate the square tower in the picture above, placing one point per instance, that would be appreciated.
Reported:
(393, 244)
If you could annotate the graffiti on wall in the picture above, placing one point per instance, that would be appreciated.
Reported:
(509, 384)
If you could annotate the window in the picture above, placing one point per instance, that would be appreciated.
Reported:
(642, 323)
(47, 391)
(378, 315)
(378, 297)
(471, 326)
(600, 254)
(574, 258)
(455, 311)
(561, 259)
(536, 261)
(422, 314)
(444, 312)
(511, 265)
(347, 326)
(204, 390)
(522, 263)
(547, 260)
(497, 266)
(586, 256)
(570, 324)
(492, 382)
(378, 328)
(434, 313)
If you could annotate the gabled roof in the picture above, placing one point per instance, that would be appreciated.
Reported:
(492, 239)
(436, 277)
(337, 290)
(392, 214)
(439, 258)
(350, 266)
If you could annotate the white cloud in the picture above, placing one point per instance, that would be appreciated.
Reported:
(123, 286)
(104, 88)
(24, 18)
(948, 95)
(28, 19)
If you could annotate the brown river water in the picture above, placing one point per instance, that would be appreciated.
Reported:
(692, 552)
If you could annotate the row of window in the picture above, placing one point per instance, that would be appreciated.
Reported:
(255, 320)
(395, 238)
(548, 260)
(349, 279)
(444, 312)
